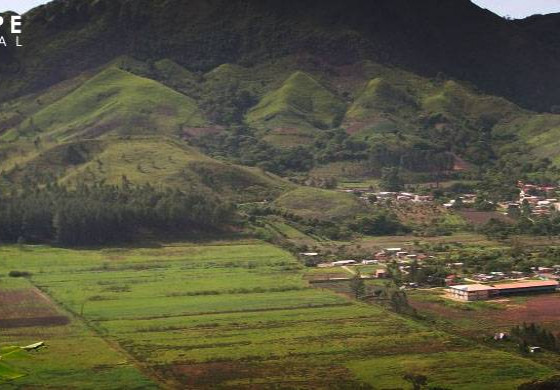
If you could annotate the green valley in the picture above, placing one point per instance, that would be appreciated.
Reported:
(225, 314)
(280, 194)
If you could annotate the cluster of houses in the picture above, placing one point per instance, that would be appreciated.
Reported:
(541, 199)
(543, 272)
(399, 255)
(466, 199)
(368, 195)
(403, 197)
(382, 257)
(496, 276)
(380, 273)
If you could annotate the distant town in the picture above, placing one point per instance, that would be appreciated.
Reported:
(537, 199)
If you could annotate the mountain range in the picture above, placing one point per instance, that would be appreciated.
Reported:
(110, 88)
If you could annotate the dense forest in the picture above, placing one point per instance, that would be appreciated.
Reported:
(241, 145)
(430, 36)
(94, 215)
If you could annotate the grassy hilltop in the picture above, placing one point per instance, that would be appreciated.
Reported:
(301, 104)
(114, 102)
(370, 116)
(160, 162)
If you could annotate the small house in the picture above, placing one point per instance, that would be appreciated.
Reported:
(310, 254)
(381, 273)
(500, 336)
(344, 262)
(370, 262)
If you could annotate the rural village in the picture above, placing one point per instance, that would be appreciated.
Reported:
(461, 281)
(538, 199)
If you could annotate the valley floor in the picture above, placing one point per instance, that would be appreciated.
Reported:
(237, 314)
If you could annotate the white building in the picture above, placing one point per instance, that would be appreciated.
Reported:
(471, 292)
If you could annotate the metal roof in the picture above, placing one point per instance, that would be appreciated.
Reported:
(473, 287)
(530, 284)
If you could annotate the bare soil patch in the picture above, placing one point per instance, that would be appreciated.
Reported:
(207, 375)
(460, 165)
(28, 308)
(197, 132)
(284, 374)
(541, 309)
(483, 217)
(33, 322)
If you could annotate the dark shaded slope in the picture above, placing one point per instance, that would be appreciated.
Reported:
(456, 37)
(545, 28)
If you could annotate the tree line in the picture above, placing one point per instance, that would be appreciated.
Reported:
(100, 214)
(537, 226)
(534, 335)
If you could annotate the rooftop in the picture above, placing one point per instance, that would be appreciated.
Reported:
(473, 287)
(529, 284)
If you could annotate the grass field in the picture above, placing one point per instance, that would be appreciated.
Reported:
(321, 204)
(75, 358)
(162, 162)
(224, 315)
(301, 104)
(117, 102)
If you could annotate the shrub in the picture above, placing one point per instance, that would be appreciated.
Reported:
(19, 274)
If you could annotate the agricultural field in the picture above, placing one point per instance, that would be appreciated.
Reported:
(221, 315)
(321, 204)
(373, 244)
(482, 320)
(75, 356)
(278, 226)
(479, 218)
(425, 216)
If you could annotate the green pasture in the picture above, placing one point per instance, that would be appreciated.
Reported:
(75, 357)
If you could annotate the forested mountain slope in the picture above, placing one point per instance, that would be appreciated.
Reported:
(67, 37)
(424, 86)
